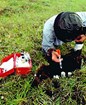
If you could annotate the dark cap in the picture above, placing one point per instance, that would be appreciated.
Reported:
(67, 25)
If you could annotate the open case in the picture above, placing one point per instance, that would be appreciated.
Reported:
(16, 63)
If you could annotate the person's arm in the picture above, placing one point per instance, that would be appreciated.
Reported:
(79, 42)
(48, 35)
(48, 40)
(80, 38)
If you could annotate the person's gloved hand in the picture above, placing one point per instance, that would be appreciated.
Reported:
(56, 56)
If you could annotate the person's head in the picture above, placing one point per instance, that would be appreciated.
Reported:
(68, 26)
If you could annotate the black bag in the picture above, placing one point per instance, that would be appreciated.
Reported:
(71, 62)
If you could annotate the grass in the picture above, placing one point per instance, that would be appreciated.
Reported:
(21, 24)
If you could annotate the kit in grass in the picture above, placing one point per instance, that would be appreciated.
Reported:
(19, 63)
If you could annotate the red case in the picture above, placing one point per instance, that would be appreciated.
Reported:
(17, 70)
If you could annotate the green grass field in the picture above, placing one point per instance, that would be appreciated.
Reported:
(21, 24)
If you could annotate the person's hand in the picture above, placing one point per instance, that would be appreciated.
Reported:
(80, 38)
(56, 57)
